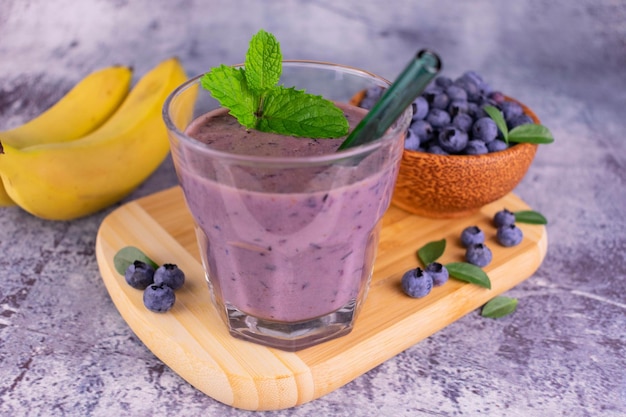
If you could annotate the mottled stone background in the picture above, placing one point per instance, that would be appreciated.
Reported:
(64, 349)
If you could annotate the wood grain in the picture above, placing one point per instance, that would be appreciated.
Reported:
(192, 340)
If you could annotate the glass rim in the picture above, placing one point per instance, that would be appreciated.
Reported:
(337, 156)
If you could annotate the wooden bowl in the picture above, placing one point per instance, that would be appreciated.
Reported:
(451, 186)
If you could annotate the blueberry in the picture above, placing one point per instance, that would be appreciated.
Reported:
(511, 109)
(372, 94)
(497, 145)
(472, 235)
(471, 88)
(422, 129)
(476, 111)
(170, 275)
(411, 141)
(475, 147)
(438, 118)
(158, 298)
(139, 275)
(437, 100)
(497, 97)
(436, 149)
(463, 121)
(522, 119)
(478, 254)
(457, 107)
(503, 218)
(420, 108)
(438, 272)
(452, 140)
(509, 235)
(484, 129)
(455, 92)
(473, 76)
(443, 81)
(417, 283)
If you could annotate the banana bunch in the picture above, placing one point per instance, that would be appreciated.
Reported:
(70, 174)
(83, 109)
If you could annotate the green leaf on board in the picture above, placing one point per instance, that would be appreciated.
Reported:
(431, 251)
(127, 255)
(499, 306)
(530, 217)
(469, 273)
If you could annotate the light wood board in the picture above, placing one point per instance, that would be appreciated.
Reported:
(192, 341)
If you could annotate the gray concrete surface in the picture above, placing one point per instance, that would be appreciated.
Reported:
(65, 350)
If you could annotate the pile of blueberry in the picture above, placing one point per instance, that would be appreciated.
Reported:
(158, 285)
(418, 282)
(449, 117)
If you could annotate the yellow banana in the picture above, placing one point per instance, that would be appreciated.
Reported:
(62, 181)
(82, 110)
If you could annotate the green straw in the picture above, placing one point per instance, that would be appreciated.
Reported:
(407, 87)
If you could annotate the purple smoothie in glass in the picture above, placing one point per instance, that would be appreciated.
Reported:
(288, 244)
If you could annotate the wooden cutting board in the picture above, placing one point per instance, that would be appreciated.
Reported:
(193, 342)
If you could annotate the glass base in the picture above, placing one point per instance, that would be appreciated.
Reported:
(291, 336)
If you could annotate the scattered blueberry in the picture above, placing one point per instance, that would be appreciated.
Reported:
(504, 217)
(472, 235)
(438, 272)
(478, 254)
(417, 283)
(509, 235)
(170, 275)
(159, 298)
(139, 275)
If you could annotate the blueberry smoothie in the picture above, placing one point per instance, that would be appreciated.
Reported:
(285, 242)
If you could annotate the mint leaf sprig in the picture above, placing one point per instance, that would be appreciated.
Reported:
(255, 99)
(529, 133)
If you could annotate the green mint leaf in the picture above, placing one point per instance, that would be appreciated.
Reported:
(497, 117)
(252, 96)
(228, 86)
(288, 111)
(431, 251)
(469, 273)
(263, 62)
(531, 133)
(499, 307)
(530, 217)
(127, 255)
